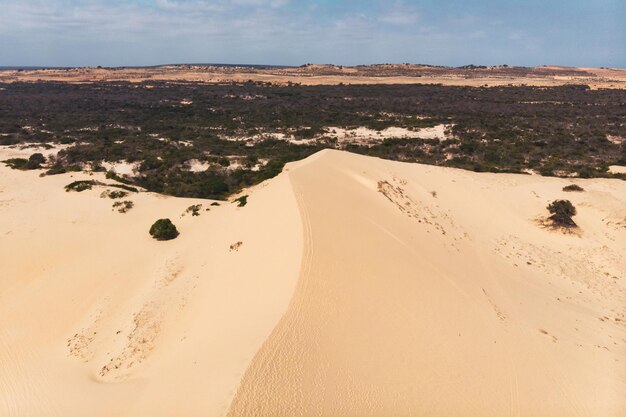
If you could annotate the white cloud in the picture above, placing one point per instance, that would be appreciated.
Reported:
(399, 15)
(137, 32)
(261, 3)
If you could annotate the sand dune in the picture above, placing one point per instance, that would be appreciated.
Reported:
(362, 287)
(98, 319)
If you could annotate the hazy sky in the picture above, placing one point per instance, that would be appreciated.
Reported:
(294, 32)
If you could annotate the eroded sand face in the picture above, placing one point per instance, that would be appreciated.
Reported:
(348, 286)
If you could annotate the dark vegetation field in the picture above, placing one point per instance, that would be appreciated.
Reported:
(555, 131)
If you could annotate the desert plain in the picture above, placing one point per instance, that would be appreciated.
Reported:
(316, 74)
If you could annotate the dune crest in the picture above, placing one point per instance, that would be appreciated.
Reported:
(433, 291)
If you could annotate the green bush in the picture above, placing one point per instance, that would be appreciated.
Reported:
(79, 186)
(573, 187)
(241, 201)
(35, 161)
(113, 194)
(16, 163)
(123, 206)
(56, 170)
(66, 140)
(562, 212)
(97, 167)
(124, 187)
(194, 209)
(163, 229)
(111, 175)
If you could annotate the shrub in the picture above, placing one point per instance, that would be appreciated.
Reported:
(194, 209)
(79, 186)
(163, 229)
(562, 212)
(118, 194)
(97, 167)
(235, 246)
(124, 187)
(8, 140)
(66, 140)
(56, 170)
(113, 194)
(16, 163)
(573, 187)
(35, 161)
(546, 171)
(587, 172)
(123, 206)
(73, 168)
(111, 175)
(241, 201)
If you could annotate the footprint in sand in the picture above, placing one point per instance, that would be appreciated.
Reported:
(141, 341)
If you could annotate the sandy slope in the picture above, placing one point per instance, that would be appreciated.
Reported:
(411, 304)
(98, 319)
(421, 291)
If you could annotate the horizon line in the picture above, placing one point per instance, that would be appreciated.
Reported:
(466, 66)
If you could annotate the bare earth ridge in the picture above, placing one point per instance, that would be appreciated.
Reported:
(331, 74)
(347, 286)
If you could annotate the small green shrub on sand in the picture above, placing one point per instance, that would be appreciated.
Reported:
(113, 194)
(573, 187)
(124, 187)
(194, 209)
(56, 170)
(16, 163)
(83, 185)
(111, 175)
(562, 212)
(241, 201)
(35, 161)
(163, 229)
(123, 206)
(79, 186)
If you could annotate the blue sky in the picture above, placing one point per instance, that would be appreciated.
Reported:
(294, 32)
